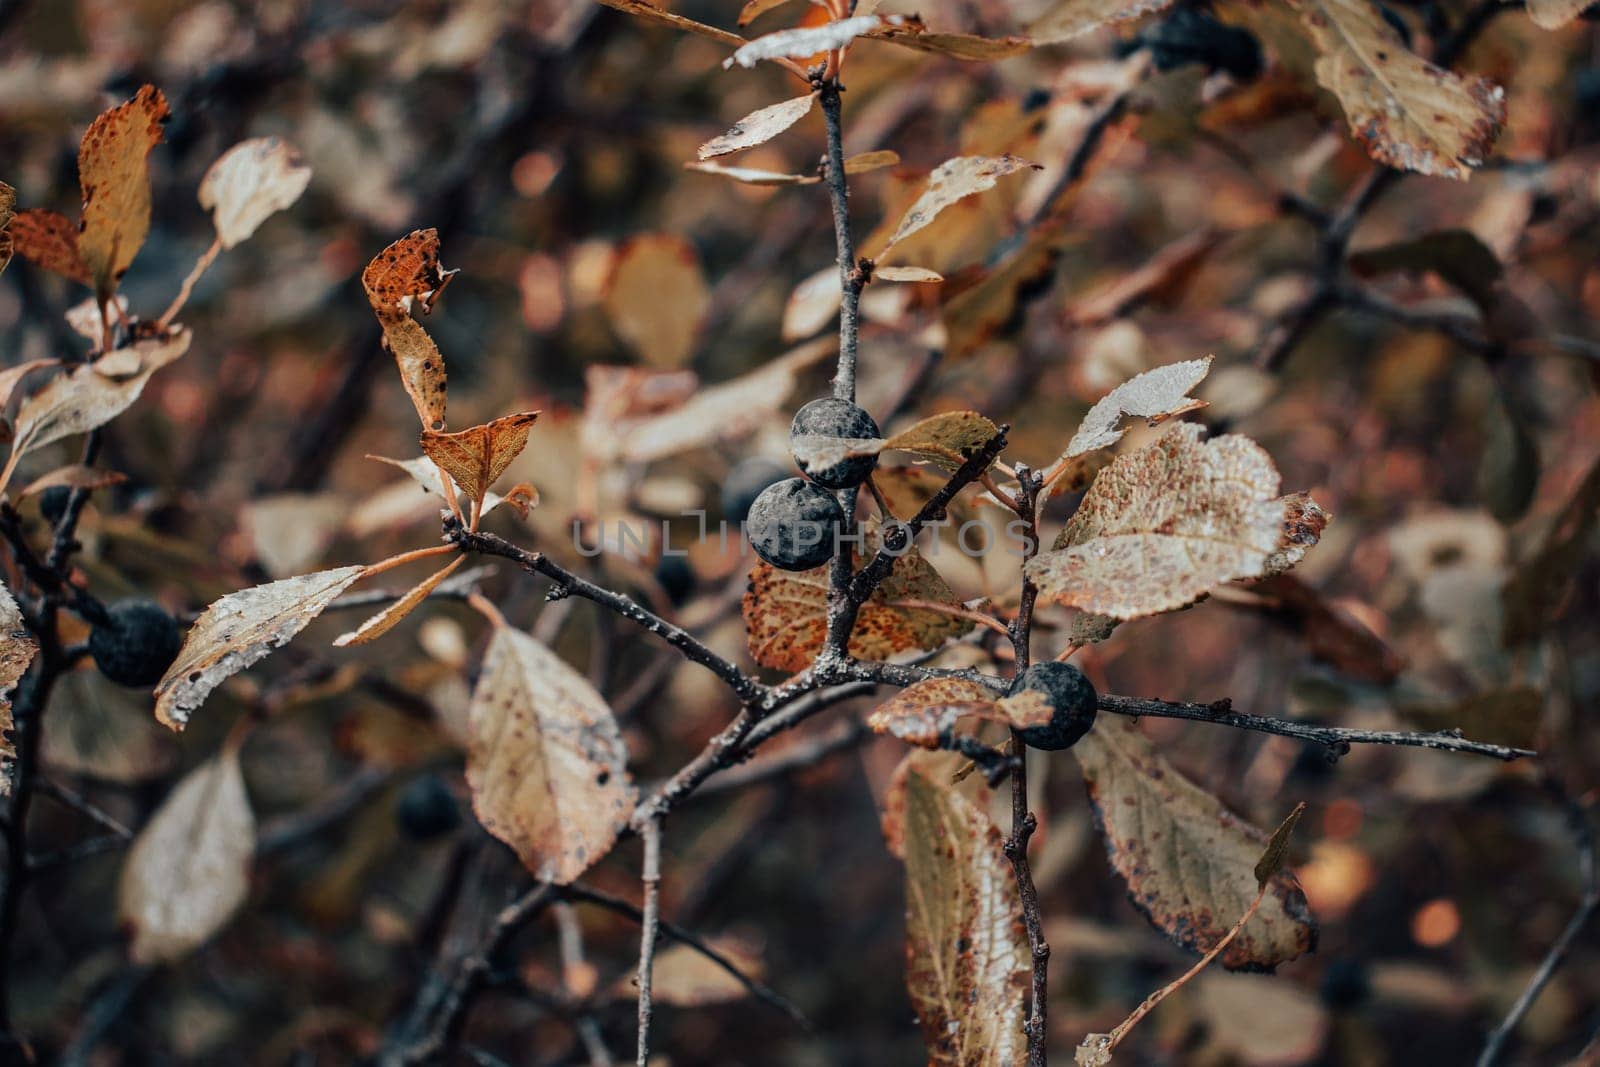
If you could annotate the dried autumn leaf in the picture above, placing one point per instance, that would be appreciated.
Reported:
(408, 272)
(73, 477)
(1156, 394)
(1409, 113)
(249, 183)
(924, 714)
(48, 239)
(965, 46)
(1073, 18)
(976, 314)
(753, 175)
(1163, 526)
(754, 9)
(813, 304)
(241, 629)
(785, 614)
(189, 869)
(17, 649)
(8, 211)
(1188, 862)
(870, 161)
(477, 456)
(946, 439)
(686, 978)
(1277, 850)
(953, 180)
(90, 394)
(1536, 592)
(1553, 14)
(426, 474)
(803, 42)
(114, 172)
(545, 759)
(1165, 273)
(758, 127)
(657, 297)
(651, 13)
(906, 274)
(967, 961)
(389, 617)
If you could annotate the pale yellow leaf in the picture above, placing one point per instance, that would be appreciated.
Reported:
(967, 960)
(953, 180)
(249, 183)
(545, 759)
(1410, 114)
(657, 297)
(758, 127)
(906, 274)
(945, 439)
(1155, 395)
(753, 175)
(1072, 18)
(239, 630)
(114, 172)
(1188, 862)
(189, 869)
(1165, 525)
(813, 304)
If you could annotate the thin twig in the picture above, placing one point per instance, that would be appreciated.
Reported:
(649, 932)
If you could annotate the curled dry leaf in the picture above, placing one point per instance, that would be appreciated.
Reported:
(8, 211)
(953, 180)
(1409, 113)
(1189, 863)
(1163, 526)
(805, 41)
(48, 239)
(753, 175)
(1073, 18)
(924, 714)
(389, 617)
(1553, 14)
(477, 456)
(545, 760)
(408, 272)
(786, 614)
(189, 869)
(240, 629)
(967, 960)
(910, 33)
(73, 477)
(17, 649)
(114, 172)
(870, 161)
(90, 394)
(651, 13)
(250, 182)
(1154, 395)
(758, 127)
(657, 297)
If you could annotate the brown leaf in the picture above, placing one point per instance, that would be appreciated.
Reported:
(8, 211)
(1552, 14)
(189, 869)
(975, 314)
(48, 239)
(686, 978)
(1154, 395)
(651, 13)
(965, 46)
(753, 175)
(906, 274)
(114, 171)
(1163, 526)
(1072, 18)
(73, 477)
(250, 182)
(657, 297)
(17, 649)
(967, 961)
(386, 620)
(924, 714)
(785, 614)
(1277, 850)
(408, 272)
(870, 161)
(1189, 863)
(1536, 592)
(758, 127)
(953, 180)
(946, 439)
(1409, 113)
(90, 394)
(477, 456)
(545, 760)
(1166, 272)
(241, 629)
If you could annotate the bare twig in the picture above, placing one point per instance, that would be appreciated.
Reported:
(649, 932)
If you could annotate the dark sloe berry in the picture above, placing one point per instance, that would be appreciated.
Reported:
(794, 525)
(136, 642)
(53, 503)
(1191, 36)
(675, 577)
(1345, 984)
(830, 417)
(427, 809)
(745, 482)
(1070, 694)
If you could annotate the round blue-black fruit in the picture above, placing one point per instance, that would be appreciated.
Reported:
(1073, 699)
(794, 525)
(831, 417)
(136, 643)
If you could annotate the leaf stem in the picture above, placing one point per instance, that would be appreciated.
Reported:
(208, 257)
